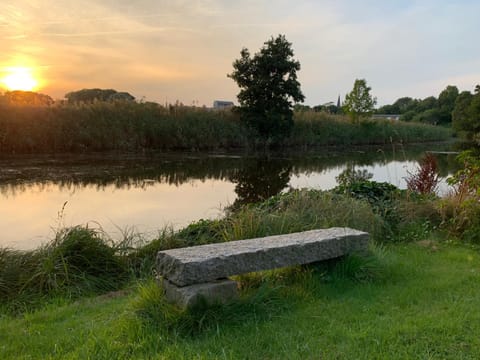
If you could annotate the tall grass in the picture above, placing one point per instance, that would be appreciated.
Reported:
(313, 129)
(78, 261)
(122, 126)
(130, 126)
(82, 260)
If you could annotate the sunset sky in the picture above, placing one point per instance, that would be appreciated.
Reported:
(169, 50)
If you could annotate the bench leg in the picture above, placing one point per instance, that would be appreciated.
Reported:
(219, 291)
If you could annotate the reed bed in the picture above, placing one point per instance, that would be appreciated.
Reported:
(130, 126)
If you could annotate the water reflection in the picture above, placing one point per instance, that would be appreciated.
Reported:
(153, 190)
(260, 179)
(68, 173)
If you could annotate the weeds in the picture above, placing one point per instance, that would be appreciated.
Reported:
(461, 210)
(425, 180)
(78, 261)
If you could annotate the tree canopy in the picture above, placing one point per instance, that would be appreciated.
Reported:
(20, 97)
(429, 110)
(268, 87)
(91, 95)
(359, 102)
(466, 115)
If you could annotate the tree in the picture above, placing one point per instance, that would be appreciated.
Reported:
(91, 95)
(268, 87)
(20, 97)
(446, 103)
(466, 115)
(405, 104)
(359, 103)
(430, 116)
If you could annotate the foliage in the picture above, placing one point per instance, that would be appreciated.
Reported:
(91, 95)
(78, 261)
(319, 128)
(400, 106)
(359, 103)
(23, 98)
(428, 111)
(446, 104)
(466, 116)
(466, 181)
(268, 87)
(117, 126)
(425, 180)
(374, 192)
(300, 210)
(350, 176)
(461, 211)
(382, 197)
(130, 126)
(430, 116)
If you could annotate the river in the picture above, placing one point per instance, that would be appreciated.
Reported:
(144, 193)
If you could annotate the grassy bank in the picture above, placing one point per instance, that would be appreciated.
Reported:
(82, 261)
(414, 296)
(423, 306)
(128, 126)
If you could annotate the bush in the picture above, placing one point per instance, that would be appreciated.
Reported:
(425, 180)
(78, 261)
(461, 210)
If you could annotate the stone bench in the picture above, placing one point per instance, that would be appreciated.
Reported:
(202, 271)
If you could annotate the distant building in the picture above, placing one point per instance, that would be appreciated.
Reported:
(386, 116)
(220, 104)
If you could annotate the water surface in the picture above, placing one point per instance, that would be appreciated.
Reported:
(144, 193)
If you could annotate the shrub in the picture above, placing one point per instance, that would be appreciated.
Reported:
(461, 210)
(425, 180)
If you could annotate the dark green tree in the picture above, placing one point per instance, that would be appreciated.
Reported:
(405, 104)
(91, 95)
(430, 116)
(446, 99)
(466, 115)
(446, 104)
(359, 103)
(268, 87)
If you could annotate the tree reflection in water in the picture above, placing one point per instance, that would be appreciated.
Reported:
(261, 179)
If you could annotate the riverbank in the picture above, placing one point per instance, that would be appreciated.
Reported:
(414, 295)
(420, 303)
(149, 191)
(82, 260)
(136, 127)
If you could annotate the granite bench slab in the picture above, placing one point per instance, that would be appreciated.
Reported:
(205, 263)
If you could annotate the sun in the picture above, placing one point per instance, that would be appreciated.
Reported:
(19, 78)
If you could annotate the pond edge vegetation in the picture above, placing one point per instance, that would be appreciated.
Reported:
(82, 261)
(132, 127)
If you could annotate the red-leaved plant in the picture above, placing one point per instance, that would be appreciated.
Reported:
(425, 180)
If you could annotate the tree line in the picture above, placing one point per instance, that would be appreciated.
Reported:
(20, 97)
(270, 92)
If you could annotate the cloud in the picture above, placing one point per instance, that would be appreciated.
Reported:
(184, 49)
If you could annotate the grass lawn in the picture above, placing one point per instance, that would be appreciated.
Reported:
(423, 303)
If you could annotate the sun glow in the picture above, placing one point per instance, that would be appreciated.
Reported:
(19, 78)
